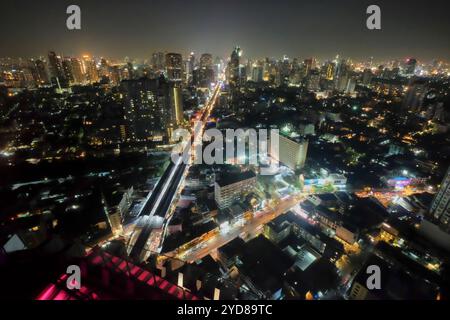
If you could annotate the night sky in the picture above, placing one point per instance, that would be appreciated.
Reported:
(136, 28)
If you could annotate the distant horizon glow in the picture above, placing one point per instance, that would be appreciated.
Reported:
(265, 28)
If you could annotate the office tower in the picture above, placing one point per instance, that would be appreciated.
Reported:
(41, 75)
(174, 66)
(191, 61)
(147, 109)
(367, 77)
(56, 69)
(206, 60)
(330, 69)
(115, 75)
(189, 66)
(296, 74)
(234, 70)
(26, 77)
(313, 82)
(410, 66)
(309, 64)
(132, 74)
(341, 75)
(90, 69)
(67, 69)
(413, 99)
(351, 84)
(203, 77)
(440, 207)
(103, 70)
(284, 71)
(342, 82)
(248, 70)
(176, 104)
(218, 66)
(158, 61)
(230, 188)
(77, 70)
(291, 152)
(257, 72)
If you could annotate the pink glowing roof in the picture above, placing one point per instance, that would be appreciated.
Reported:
(59, 290)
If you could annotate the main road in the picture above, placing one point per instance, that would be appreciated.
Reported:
(158, 206)
(207, 243)
(221, 238)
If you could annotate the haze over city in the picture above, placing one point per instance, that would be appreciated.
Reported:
(264, 28)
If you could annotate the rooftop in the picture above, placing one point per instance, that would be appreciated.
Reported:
(232, 178)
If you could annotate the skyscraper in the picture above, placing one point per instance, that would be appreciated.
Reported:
(56, 69)
(158, 61)
(234, 70)
(147, 109)
(330, 69)
(284, 70)
(174, 66)
(104, 68)
(189, 66)
(41, 75)
(90, 69)
(67, 69)
(77, 70)
(309, 64)
(176, 104)
(440, 207)
(313, 83)
(410, 66)
(417, 89)
(206, 60)
(257, 72)
(367, 77)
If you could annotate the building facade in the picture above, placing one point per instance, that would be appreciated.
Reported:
(231, 188)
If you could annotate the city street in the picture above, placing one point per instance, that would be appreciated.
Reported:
(222, 238)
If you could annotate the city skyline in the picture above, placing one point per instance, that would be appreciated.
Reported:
(253, 151)
(292, 28)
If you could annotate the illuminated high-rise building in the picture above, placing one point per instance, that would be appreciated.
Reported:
(206, 60)
(329, 71)
(103, 70)
(56, 69)
(67, 69)
(115, 75)
(415, 95)
(234, 68)
(147, 107)
(440, 207)
(90, 69)
(192, 61)
(176, 104)
(309, 64)
(41, 76)
(410, 66)
(290, 152)
(313, 82)
(158, 61)
(77, 70)
(257, 72)
(284, 71)
(174, 66)
(203, 76)
(367, 77)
